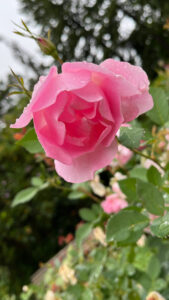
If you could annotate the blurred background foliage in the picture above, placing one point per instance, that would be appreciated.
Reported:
(131, 30)
(89, 30)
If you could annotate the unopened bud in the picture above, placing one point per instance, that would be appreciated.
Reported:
(98, 188)
(25, 288)
(50, 296)
(155, 296)
(46, 46)
(100, 236)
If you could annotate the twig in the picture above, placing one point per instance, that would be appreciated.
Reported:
(148, 157)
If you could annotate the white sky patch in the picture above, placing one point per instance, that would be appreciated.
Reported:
(127, 25)
(10, 12)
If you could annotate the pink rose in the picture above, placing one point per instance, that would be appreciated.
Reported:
(113, 204)
(123, 155)
(78, 112)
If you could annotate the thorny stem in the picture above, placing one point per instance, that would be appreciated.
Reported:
(80, 189)
(144, 155)
(148, 157)
(89, 194)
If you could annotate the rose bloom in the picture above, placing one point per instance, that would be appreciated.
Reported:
(78, 112)
(113, 204)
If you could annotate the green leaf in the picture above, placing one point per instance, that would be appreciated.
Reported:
(128, 187)
(87, 294)
(96, 208)
(26, 27)
(87, 214)
(25, 196)
(74, 292)
(131, 136)
(151, 197)
(145, 281)
(154, 176)
(154, 267)
(132, 238)
(123, 223)
(134, 295)
(36, 181)
(82, 233)
(142, 258)
(139, 172)
(82, 272)
(159, 285)
(160, 226)
(160, 112)
(74, 195)
(30, 142)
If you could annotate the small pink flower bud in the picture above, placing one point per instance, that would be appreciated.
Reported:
(113, 204)
(46, 46)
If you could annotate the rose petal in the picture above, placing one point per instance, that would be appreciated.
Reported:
(99, 73)
(51, 138)
(133, 74)
(48, 90)
(58, 83)
(83, 167)
(138, 104)
(91, 92)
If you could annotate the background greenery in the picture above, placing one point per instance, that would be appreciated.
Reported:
(89, 30)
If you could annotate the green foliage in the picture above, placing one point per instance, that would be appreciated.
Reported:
(121, 226)
(160, 112)
(139, 173)
(28, 194)
(128, 187)
(114, 266)
(160, 226)
(154, 176)
(87, 214)
(82, 233)
(131, 136)
(24, 196)
(30, 142)
(151, 197)
(105, 273)
(92, 30)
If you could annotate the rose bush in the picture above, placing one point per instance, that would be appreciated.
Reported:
(78, 112)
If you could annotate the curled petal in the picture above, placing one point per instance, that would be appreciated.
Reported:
(84, 167)
(133, 74)
(138, 104)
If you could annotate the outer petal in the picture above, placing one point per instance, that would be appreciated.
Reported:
(58, 83)
(48, 89)
(141, 101)
(83, 167)
(134, 106)
(133, 74)
(51, 138)
(122, 86)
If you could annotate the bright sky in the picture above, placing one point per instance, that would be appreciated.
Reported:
(10, 12)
